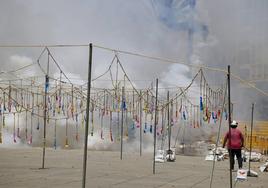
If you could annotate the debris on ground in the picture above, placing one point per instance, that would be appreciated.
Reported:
(220, 153)
(255, 156)
(264, 167)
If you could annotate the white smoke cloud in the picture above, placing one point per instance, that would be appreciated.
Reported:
(131, 26)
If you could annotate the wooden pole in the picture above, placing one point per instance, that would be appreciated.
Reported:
(229, 119)
(122, 122)
(87, 117)
(169, 125)
(140, 123)
(45, 112)
(250, 147)
(155, 122)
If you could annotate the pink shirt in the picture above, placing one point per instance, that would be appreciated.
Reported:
(237, 139)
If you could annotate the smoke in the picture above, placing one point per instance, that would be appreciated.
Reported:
(240, 36)
(199, 32)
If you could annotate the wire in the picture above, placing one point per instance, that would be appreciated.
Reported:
(160, 59)
(42, 45)
(249, 84)
(113, 50)
(16, 70)
(109, 68)
(138, 55)
(49, 53)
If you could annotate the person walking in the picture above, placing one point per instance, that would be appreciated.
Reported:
(235, 144)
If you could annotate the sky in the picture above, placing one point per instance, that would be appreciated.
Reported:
(222, 33)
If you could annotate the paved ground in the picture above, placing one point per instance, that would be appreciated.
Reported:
(20, 168)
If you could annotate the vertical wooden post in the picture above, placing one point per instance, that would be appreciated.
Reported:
(140, 123)
(122, 122)
(250, 147)
(155, 122)
(45, 112)
(87, 117)
(169, 125)
(229, 119)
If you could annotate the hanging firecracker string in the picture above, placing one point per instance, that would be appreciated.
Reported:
(180, 110)
(26, 128)
(32, 114)
(99, 104)
(113, 101)
(214, 100)
(136, 110)
(111, 118)
(215, 115)
(18, 126)
(125, 116)
(4, 109)
(32, 82)
(9, 97)
(76, 105)
(54, 106)
(38, 112)
(219, 110)
(92, 118)
(62, 104)
(145, 122)
(198, 118)
(81, 101)
(209, 97)
(171, 114)
(48, 109)
(151, 123)
(207, 103)
(185, 110)
(27, 100)
(76, 125)
(83, 120)
(177, 106)
(1, 139)
(194, 118)
(191, 116)
(129, 103)
(66, 134)
(31, 130)
(72, 102)
(1, 110)
(204, 98)
(111, 121)
(201, 93)
(204, 114)
(14, 129)
(102, 114)
(106, 110)
(211, 106)
(133, 105)
(118, 125)
(55, 135)
(162, 123)
(146, 109)
(59, 96)
(18, 110)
